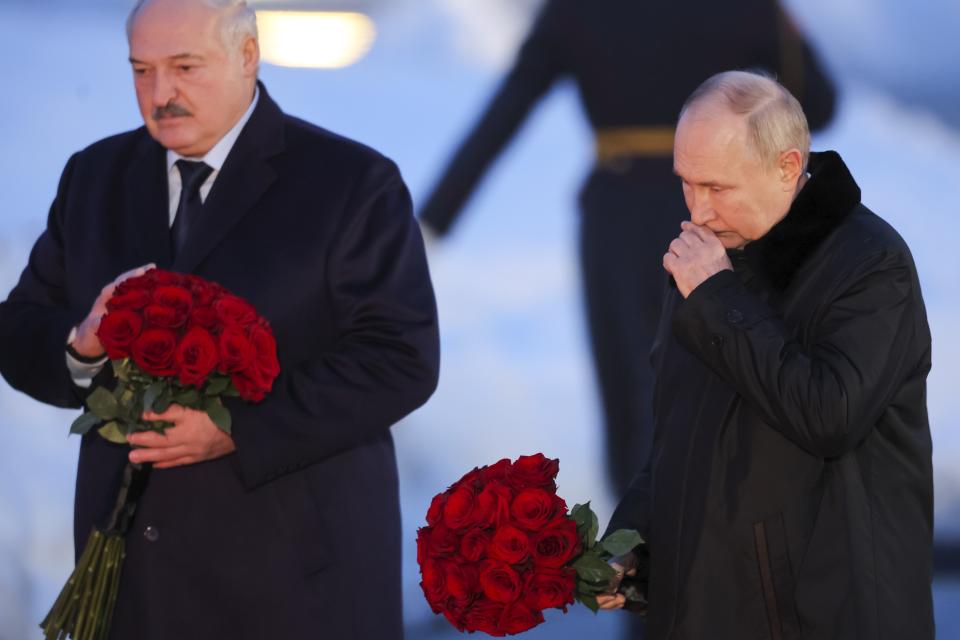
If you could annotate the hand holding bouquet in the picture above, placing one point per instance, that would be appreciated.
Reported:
(178, 339)
(171, 339)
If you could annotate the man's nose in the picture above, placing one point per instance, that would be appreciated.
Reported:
(164, 89)
(701, 209)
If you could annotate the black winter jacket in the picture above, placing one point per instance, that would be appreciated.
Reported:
(790, 492)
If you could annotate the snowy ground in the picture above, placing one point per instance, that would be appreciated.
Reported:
(516, 375)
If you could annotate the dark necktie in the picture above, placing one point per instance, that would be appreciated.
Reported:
(192, 175)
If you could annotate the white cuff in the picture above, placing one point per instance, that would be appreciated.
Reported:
(82, 373)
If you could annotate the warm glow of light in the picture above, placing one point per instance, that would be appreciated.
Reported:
(319, 39)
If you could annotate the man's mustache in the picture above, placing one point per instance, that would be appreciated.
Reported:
(170, 110)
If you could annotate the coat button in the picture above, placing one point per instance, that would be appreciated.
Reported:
(151, 533)
(734, 316)
(717, 341)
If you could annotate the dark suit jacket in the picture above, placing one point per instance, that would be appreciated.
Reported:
(296, 534)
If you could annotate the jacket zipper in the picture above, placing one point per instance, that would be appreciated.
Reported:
(766, 579)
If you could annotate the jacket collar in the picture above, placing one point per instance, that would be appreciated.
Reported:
(245, 176)
(828, 197)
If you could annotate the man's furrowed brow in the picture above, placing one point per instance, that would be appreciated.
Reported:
(179, 56)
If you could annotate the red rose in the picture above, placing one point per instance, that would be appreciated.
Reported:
(455, 612)
(461, 579)
(496, 471)
(510, 545)
(532, 509)
(550, 589)
(557, 544)
(423, 544)
(435, 512)
(159, 317)
(443, 542)
(173, 296)
(161, 278)
(235, 310)
(250, 389)
(518, 618)
(237, 353)
(472, 479)
(135, 299)
(203, 292)
(534, 471)
(484, 616)
(265, 364)
(493, 504)
(434, 583)
(474, 544)
(153, 351)
(204, 317)
(499, 581)
(196, 356)
(117, 331)
(459, 510)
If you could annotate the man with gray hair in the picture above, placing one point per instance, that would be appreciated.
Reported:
(790, 491)
(278, 529)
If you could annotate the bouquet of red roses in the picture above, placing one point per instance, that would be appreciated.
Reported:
(171, 339)
(178, 339)
(499, 548)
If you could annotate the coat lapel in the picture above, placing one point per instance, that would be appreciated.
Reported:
(146, 214)
(245, 177)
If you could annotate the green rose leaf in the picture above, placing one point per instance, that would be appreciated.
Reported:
(590, 601)
(217, 386)
(163, 401)
(581, 514)
(103, 403)
(621, 541)
(219, 415)
(85, 422)
(592, 569)
(121, 368)
(151, 394)
(187, 398)
(111, 431)
(587, 524)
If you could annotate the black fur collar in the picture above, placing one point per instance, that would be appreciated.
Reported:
(824, 201)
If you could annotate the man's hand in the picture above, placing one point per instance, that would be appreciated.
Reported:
(193, 438)
(695, 255)
(624, 566)
(87, 343)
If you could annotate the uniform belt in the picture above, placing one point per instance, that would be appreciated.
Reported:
(623, 142)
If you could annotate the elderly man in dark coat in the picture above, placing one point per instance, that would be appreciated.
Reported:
(279, 529)
(790, 491)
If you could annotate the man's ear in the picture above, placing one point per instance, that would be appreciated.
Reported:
(251, 56)
(790, 165)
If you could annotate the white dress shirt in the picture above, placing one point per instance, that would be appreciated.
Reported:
(83, 372)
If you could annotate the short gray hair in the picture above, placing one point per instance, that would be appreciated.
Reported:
(238, 22)
(775, 119)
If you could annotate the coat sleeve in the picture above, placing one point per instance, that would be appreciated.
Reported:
(35, 319)
(827, 394)
(538, 64)
(385, 363)
(633, 510)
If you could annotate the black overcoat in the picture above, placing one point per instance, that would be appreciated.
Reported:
(790, 493)
(296, 534)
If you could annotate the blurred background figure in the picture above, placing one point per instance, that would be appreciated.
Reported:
(633, 63)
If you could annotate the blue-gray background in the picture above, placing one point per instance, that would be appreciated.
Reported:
(516, 374)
